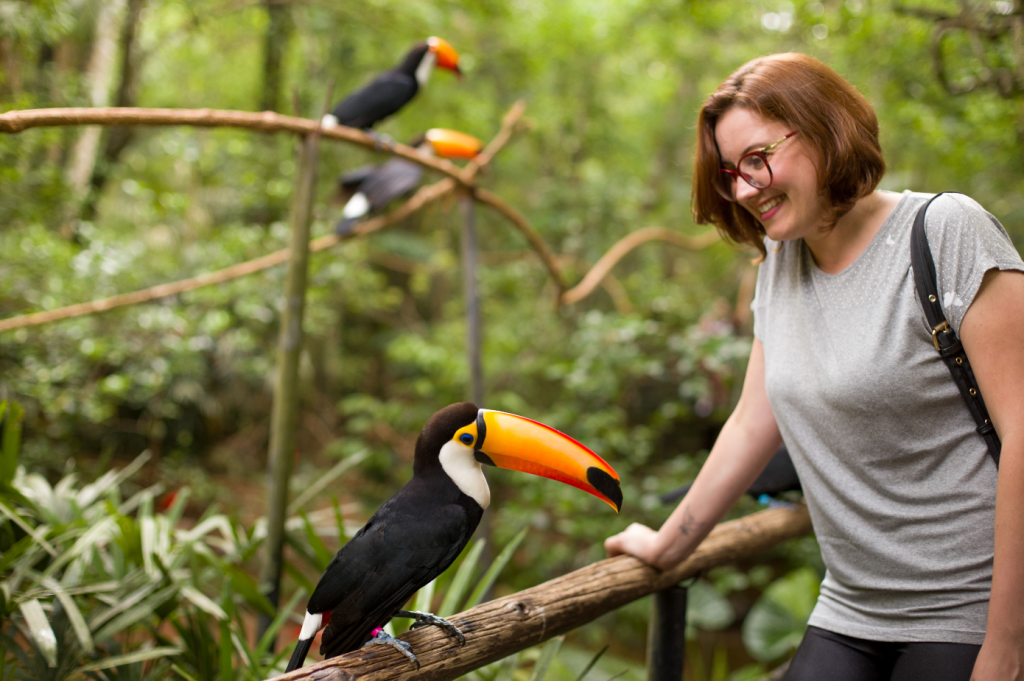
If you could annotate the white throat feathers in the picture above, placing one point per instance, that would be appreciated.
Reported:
(425, 68)
(461, 466)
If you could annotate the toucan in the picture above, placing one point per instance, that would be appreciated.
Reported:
(421, 530)
(778, 476)
(374, 186)
(393, 89)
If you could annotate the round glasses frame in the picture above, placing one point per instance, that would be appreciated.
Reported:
(726, 185)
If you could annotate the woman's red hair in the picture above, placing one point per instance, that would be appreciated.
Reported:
(834, 120)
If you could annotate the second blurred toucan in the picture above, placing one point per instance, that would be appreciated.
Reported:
(375, 186)
(420, 531)
(393, 89)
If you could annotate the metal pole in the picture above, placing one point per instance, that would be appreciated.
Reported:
(666, 635)
(284, 417)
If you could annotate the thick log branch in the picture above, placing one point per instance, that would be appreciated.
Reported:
(267, 121)
(618, 251)
(501, 627)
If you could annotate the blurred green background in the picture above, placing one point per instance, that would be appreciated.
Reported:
(645, 378)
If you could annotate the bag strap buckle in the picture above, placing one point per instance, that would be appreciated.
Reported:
(944, 326)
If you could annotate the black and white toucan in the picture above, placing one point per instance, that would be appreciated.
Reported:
(393, 89)
(420, 531)
(374, 186)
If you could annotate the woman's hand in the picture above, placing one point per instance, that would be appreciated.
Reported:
(1000, 659)
(636, 540)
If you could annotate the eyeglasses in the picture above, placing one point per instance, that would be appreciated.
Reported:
(752, 167)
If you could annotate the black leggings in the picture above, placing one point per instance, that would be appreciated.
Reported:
(825, 656)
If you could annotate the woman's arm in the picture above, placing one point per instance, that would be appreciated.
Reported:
(993, 336)
(742, 450)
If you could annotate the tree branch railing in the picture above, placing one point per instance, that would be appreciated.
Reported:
(501, 627)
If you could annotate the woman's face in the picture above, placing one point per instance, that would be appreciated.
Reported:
(791, 207)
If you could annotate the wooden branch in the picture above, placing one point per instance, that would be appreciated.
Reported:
(421, 198)
(501, 627)
(267, 121)
(603, 266)
(523, 225)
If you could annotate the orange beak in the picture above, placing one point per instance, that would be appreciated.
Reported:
(453, 144)
(520, 444)
(447, 57)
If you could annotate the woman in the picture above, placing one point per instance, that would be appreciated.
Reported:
(923, 541)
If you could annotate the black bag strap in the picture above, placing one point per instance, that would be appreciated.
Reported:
(946, 342)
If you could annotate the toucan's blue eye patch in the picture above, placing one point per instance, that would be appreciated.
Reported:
(466, 438)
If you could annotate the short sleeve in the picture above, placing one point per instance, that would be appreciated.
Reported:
(966, 241)
(759, 305)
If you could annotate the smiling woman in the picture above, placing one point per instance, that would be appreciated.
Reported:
(925, 562)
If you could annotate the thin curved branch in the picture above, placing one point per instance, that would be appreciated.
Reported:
(424, 196)
(267, 121)
(521, 223)
(603, 266)
(421, 198)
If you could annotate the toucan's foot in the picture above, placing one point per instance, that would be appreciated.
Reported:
(382, 637)
(425, 618)
(382, 141)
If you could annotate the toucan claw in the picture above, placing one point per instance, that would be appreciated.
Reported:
(424, 619)
(383, 638)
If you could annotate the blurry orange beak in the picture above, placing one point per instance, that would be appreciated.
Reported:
(519, 444)
(453, 144)
(447, 57)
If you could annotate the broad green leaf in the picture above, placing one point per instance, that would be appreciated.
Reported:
(39, 539)
(460, 582)
(135, 614)
(340, 520)
(778, 620)
(243, 584)
(282, 616)
(142, 655)
(323, 556)
(201, 601)
(74, 614)
(706, 608)
(496, 567)
(324, 480)
(40, 629)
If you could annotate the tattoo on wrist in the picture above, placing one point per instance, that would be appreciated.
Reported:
(690, 524)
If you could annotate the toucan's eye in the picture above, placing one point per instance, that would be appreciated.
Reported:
(466, 438)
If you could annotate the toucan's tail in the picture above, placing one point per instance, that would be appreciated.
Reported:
(299, 655)
(345, 226)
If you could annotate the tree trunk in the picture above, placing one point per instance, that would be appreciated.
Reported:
(279, 31)
(117, 138)
(98, 79)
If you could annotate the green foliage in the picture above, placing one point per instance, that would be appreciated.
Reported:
(645, 377)
(776, 623)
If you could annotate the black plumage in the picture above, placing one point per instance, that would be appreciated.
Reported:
(384, 95)
(408, 542)
(379, 185)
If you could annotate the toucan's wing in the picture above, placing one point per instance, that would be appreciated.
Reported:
(388, 93)
(351, 179)
(394, 178)
(378, 570)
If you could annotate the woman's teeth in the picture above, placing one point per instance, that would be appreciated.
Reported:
(769, 204)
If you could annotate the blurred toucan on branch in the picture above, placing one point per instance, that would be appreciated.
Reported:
(370, 188)
(393, 89)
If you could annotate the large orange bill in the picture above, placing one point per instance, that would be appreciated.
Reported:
(447, 57)
(520, 444)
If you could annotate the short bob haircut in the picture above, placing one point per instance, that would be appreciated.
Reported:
(834, 120)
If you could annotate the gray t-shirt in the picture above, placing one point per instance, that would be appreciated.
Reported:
(900, 488)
